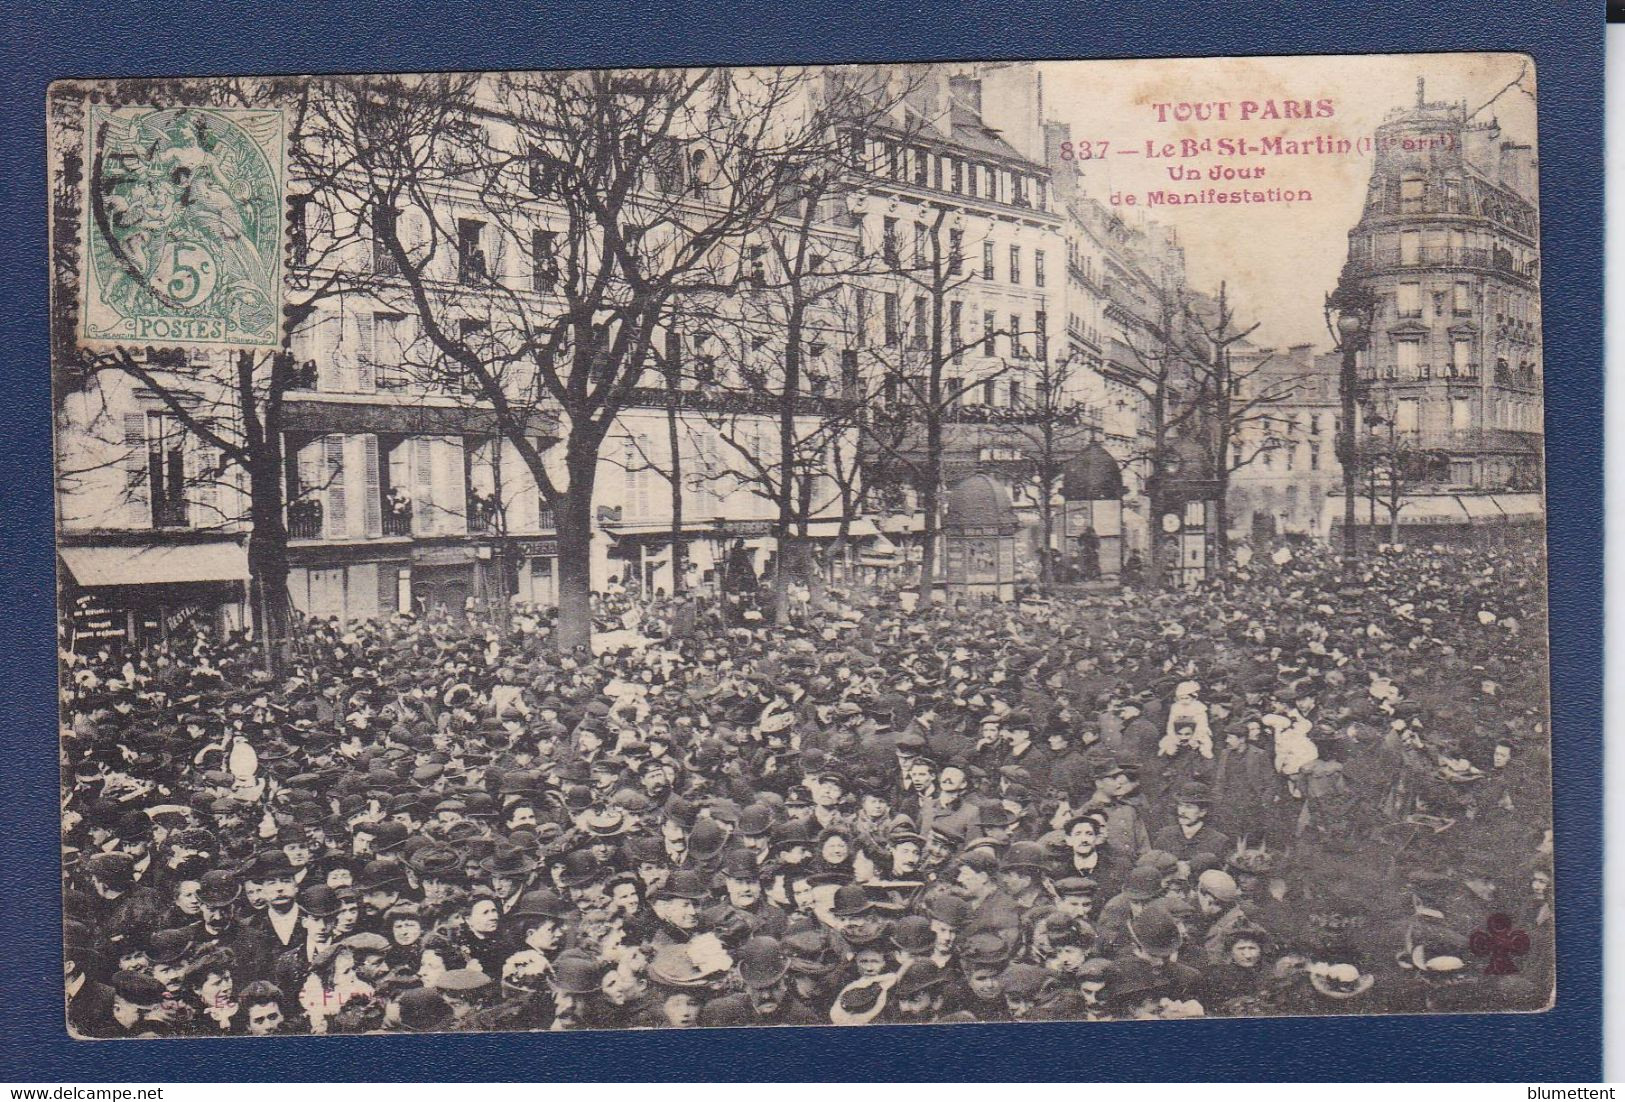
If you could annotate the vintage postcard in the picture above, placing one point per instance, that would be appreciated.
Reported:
(931, 543)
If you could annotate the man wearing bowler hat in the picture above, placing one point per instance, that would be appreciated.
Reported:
(1190, 833)
(763, 970)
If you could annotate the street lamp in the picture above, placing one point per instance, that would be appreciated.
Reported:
(1353, 305)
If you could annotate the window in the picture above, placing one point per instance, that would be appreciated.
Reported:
(1405, 415)
(921, 254)
(1041, 331)
(988, 328)
(1407, 357)
(894, 161)
(1461, 414)
(950, 389)
(922, 327)
(1038, 267)
(674, 353)
(1409, 300)
(987, 392)
(1461, 356)
(1016, 349)
(987, 260)
(1015, 394)
(1015, 263)
(957, 168)
(860, 320)
(388, 351)
(472, 332)
(1020, 182)
(955, 315)
(470, 257)
(166, 471)
(544, 271)
(922, 167)
(699, 174)
(849, 372)
(936, 173)
(970, 178)
(1463, 302)
(889, 301)
(956, 251)
(1411, 190)
(385, 221)
(540, 173)
(298, 230)
(1410, 248)
(888, 241)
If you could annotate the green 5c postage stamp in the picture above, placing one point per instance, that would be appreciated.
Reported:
(183, 227)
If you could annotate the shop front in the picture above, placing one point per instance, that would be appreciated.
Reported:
(144, 594)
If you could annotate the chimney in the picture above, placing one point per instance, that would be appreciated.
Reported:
(967, 93)
(1516, 164)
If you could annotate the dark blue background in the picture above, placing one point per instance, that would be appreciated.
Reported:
(45, 41)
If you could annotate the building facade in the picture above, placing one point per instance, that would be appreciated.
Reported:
(1288, 474)
(1448, 242)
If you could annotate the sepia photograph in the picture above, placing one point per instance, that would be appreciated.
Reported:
(928, 543)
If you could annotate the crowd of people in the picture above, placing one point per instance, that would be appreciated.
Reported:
(1284, 791)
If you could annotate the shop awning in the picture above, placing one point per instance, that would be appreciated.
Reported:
(386, 413)
(859, 529)
(1526, 507)
(1482, 509)
(215, 561)
(1434, 509)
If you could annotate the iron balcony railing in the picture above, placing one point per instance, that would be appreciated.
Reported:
(1445, 256)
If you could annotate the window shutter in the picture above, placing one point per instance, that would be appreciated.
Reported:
(366, 357)
(629, 482)
(328, 375)
(374, 502)
(333, 477)
(310, 468)
(530, 497)
(497, 265)
(138, 488)
(450, 495)
(205, 494)
(423, 507)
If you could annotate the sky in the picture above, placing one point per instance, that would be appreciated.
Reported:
(1278, 259)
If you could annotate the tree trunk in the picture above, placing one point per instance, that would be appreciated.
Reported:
(268, 551)
(1154, 487)
(679, 549)
(1046, 517)
(575, 549)
(1221, 466)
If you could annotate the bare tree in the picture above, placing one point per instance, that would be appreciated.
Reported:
(1237, 408)
(1050, 431)
(632, 190)
(1160, 355)
(918, 396)
(231, 405)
